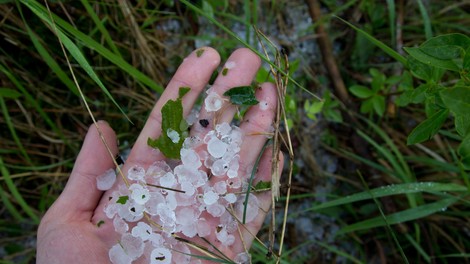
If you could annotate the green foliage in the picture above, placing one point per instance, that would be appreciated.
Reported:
(172, 122)
(242, 95)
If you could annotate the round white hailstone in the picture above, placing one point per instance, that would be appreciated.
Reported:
(106, 180)
(236, 135)
(160, 255)
(186, 215)
(210, 197)
(151, 204)
(158, 169)
(203, 227)
(189, 157)
(242, 258)
(136, 173)
(252, 208)
(223, 129)
(167, 216)
(173, 135)
(133, 246)
(234, 183)
(131, 211)
(230, 64)
(232, 173)
(188, 188)
(219, 168)
(263, 105)
(156, 239)
(142, 230)
(120, 226)
(185, 200)
(192, 142)
(216, 147)
(139, 193)
(117, 255)
(216, 209)
(168, 180)
(111, 209)
(213, 102)
(230, 197)
(220, 187)
(225, 238)
(189, 230)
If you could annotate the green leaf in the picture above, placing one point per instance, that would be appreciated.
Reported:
(446, 47)
(122, 199)
(361, 91)
(457, 99)
(419, 55)
(367, 106)
(9, 93)
(242, 95)
(262, 186)
(424, 71)
(379, 104)
(428, 128)
(174, 124)
(400, 217)
(313, 108)
(462, 124)
(464, 152)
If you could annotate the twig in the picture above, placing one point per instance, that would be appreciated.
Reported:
(327, 52)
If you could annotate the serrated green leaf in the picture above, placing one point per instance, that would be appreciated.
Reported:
(242, 95)
(122, 199)
(428, 128)
(457, 99)
(172, 122)
(361, 91)
(9, 93)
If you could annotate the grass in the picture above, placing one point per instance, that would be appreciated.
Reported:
(412, 204)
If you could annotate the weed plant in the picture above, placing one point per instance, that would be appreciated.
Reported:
(379, 177)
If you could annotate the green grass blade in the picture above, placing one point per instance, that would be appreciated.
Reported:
(378, 43)
(101, 27)
(246, 44)
(395, 189)
(9, 206)
(92, 44)
(418, 248)
(16, 194)
(10, 126)
(426, 19)
(401, 217)
(40, 168)
(32, 101)
(391, 21)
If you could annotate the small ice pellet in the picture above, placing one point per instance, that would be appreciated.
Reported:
(117, 255)
(168, 180)
(210, 197)
(223, 128)
(242, 258)
(219, 168)
(106, 180)
(120, 225)
(263, 105)
(203, 227)
(213, 102)
(142, 230)
(220, 187)
(230, 197)
(189, 231)
(139, 193)
(136, 173)
(190, 157)
(216, 210)
(173, 135)
(216, 147)
(133, 246)
(252, 209)
(230, 64)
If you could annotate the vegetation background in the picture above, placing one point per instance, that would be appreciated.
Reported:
(370, 185)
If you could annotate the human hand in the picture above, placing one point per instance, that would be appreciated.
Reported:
(76, 229)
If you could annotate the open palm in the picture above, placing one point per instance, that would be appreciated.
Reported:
(76, 229)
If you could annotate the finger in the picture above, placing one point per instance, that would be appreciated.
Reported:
(241, 67)
(194, 72)
(81, 196)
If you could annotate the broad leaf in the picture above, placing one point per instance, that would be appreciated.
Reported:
(379, 104)
(457, 99)
(427, 59)
(462, 124)
(464, 152)
(361, 91)
(446, 47)
(174, 128)
(242, 95)
(428, 128)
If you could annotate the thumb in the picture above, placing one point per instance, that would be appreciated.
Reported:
(81, 196)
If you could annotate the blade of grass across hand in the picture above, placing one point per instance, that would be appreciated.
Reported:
(377, 42)
(16, 194)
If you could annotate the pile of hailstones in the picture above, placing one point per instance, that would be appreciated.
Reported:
(201, 207)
